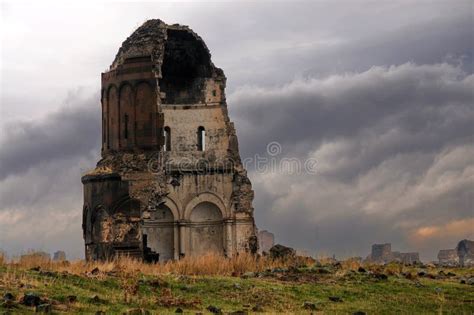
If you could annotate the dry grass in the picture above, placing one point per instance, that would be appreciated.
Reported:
(212, 265)
(195, 283)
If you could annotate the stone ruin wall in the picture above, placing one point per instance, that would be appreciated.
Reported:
(266, 241)
(462, 255)
(448, 257)
(157, 192)
(465, 251)
(382, 253)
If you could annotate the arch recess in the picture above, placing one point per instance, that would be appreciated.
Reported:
(128, 205)
(206, 197)
(173, 206)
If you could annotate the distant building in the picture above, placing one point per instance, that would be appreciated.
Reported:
(465, 250)
(266, 240)
(59, 256)
(448, 257)
(382, 253)
(407, 258)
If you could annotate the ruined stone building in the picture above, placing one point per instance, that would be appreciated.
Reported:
(266, 240)
(448, 257)
(406, 258)
(462, 255)
(59, 256)
(382, 253)
(170, 182)
(465, 250)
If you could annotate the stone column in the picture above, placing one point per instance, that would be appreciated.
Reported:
(228, 237)
(182, 238)
(176, 240)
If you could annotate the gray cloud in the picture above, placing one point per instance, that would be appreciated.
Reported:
(68, 133)
(394, 151)
(413, 107)
(41, 163)
(329, 39)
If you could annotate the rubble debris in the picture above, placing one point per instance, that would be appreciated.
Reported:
(279, 251)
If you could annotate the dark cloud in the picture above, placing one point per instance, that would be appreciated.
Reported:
(441, 39)
(71, 132)
(394, 151)
(383, 111)
(41, 163)
(330, 40)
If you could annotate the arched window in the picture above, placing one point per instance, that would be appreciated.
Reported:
(201, 141)
(167, 135)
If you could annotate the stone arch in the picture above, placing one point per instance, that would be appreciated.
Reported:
(101, 225)
(206, 197)
(201, 138)
(167, 139)
(141, 82)
(174, 206)
(206, 212)
(186, 67)
(126, 205)
(158, 233)
(206, 229)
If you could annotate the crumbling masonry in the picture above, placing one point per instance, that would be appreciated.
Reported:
(170, 182)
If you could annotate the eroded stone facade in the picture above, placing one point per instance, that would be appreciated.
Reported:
(448, 257)
(170, 182)
(465, 251)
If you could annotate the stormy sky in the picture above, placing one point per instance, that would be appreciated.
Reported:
(378, 93)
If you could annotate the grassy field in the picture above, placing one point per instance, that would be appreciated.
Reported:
(240, 285)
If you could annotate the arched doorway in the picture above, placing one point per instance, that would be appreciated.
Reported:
(158, 232)
(206, 229)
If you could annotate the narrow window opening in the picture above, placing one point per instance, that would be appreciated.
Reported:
(201, 134)
(125, 121)
(167, 135)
